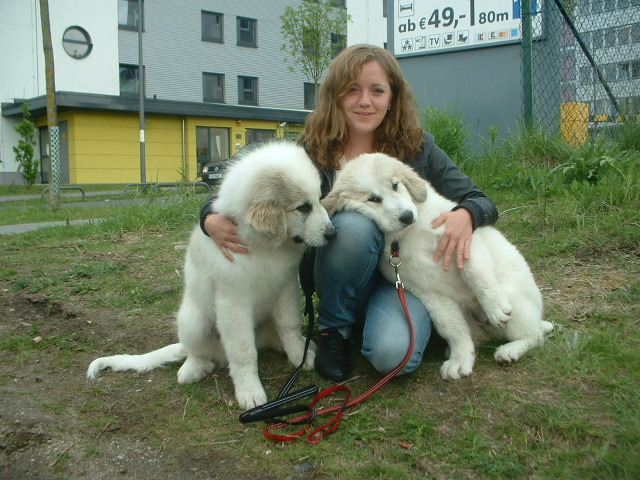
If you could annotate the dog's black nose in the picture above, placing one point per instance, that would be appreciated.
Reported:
(407, 217)
(330, 233)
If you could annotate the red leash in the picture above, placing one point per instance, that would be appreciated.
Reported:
(314, 436)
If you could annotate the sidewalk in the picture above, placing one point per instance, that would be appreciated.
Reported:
(28, 227)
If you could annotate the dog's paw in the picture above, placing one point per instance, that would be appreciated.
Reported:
(455, 369)
(295, 356)
(250, 398)
(500, 315)
(310, 361)
(193, 370)
(511, 352)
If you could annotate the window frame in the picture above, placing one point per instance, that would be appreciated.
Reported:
(211, 132)
(241, 90)
(209, 14)
(221, 86)
(309, 95)
(253, 23)
(132, 9)
(68, 42)
(133, 68)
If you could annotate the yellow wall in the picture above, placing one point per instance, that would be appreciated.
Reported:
(104, 147)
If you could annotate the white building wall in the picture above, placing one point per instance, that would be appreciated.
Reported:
(367, 25)
(22, 56)
(97, 73)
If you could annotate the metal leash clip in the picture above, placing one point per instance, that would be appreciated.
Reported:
(395, 261)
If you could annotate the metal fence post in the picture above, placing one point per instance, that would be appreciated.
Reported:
(527, 70)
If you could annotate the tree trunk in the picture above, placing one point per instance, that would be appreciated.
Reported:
(52, 110)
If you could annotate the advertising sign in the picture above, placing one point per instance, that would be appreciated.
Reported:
(432, 26)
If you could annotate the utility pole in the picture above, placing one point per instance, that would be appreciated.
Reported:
(143, 161)
(52, 109)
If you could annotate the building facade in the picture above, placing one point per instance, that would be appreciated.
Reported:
(214, 80)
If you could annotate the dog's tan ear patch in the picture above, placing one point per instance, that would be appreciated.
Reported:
(414, 183)
(266, 213)
(330, 202)
(268, 218)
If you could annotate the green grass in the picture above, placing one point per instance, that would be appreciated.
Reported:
(567, 410)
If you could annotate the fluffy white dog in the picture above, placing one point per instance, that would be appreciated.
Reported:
(229, 309)
(495, 291)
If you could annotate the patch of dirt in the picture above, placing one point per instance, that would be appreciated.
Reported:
(44, 432)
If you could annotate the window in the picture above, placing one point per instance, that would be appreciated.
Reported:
(128, 14)
(624, 71)
(128, 79)
(586, 75)
(247, 34)
(309, 95)
(45, 154)
(384, 8)
(247, 91)
(254, 135)
(610, 38)
(624, 35)
(77, 42)
(212, 144)
(213, 87)
(212, 27)
(338, 44)
(635, 33)
(597, 38)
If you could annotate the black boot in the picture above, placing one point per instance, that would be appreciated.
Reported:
(332, 357)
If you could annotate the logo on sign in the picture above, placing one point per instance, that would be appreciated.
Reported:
(405, 8)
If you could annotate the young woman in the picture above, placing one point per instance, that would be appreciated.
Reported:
(365, 105)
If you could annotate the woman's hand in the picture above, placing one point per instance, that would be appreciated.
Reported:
(224, 232)
(458, 227)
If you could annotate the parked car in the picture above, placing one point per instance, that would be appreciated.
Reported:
(213, 172)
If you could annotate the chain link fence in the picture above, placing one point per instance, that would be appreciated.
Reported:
(581, 66)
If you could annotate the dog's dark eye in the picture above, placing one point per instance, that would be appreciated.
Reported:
(304, 208)
(375, 199)
(394, 185)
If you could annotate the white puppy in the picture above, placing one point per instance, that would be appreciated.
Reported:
(229, 309)
(495, 291)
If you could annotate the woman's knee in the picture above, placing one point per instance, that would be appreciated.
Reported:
(387, 336)
(386, 357)
(354, 231)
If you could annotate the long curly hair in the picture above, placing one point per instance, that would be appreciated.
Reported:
(325, 131)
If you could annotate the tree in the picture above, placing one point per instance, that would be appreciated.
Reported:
(314, 33)
(52, 108)
(25, 149)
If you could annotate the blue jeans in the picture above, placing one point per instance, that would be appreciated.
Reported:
(351, 289)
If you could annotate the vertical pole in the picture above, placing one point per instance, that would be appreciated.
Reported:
(527, 63)
(141, 83)
(52, 110)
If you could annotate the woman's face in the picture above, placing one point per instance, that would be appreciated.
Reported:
(366, 102)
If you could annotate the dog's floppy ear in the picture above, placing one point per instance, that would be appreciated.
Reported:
(269, 218)
(414, 183)
(330, 202)
(266, 212)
